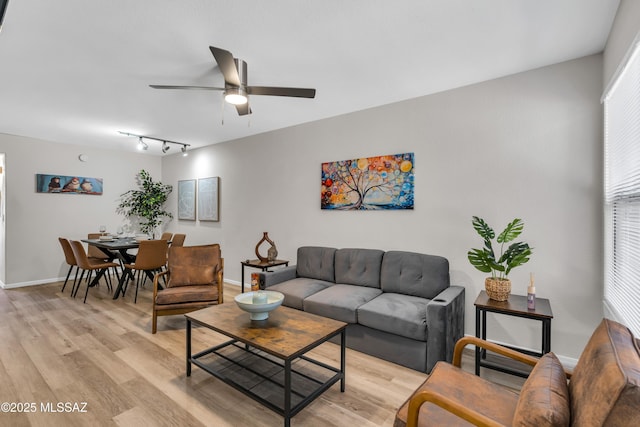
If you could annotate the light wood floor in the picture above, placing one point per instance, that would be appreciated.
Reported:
(56, 349)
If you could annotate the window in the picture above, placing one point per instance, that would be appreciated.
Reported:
(622, 192)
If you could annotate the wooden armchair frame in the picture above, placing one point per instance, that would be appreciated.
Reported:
(454, 407)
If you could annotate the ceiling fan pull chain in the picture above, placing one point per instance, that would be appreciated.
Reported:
(222, 109)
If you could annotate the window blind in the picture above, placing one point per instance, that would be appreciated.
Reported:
(622, 192)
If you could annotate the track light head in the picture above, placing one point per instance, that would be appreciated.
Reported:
(184, 151)
(142, 145)
(165, 146)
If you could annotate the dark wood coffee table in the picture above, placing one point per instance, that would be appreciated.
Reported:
(266, 359)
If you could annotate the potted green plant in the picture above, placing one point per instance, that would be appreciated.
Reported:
(498, 286)
(146, 203)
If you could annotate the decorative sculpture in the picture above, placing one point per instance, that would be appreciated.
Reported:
(272, 252)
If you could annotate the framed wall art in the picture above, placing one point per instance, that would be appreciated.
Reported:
(187, 199)
(368, 183)
(208, 199)
(64, 184)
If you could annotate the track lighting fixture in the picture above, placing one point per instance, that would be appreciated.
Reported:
(142, 145)
(165, 143)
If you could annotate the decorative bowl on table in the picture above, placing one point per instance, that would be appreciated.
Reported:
(107, 237)
(259, 303)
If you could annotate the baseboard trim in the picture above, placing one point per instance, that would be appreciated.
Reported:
(31, 283)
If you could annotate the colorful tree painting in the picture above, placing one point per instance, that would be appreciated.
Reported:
(371, 183)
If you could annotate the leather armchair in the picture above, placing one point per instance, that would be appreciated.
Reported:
(603, 390)
(193, 280)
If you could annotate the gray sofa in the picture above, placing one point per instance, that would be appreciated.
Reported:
(399, 306)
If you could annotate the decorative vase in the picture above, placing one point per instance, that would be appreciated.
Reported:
(271, 251)
(497, 289)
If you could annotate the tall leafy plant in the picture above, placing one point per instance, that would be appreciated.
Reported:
(485, 259)
(146, 203)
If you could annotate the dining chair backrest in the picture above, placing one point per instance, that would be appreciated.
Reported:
(69, 257)
(81, 255)
(94, 251)
(152, 255)
(178, 239)
(166, 236)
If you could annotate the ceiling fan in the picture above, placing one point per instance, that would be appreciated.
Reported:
(236, 90)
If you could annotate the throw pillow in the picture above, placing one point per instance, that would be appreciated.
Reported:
(544, 398)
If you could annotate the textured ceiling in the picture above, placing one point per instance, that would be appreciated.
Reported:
(77, 71)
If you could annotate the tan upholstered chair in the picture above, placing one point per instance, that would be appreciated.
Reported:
(194, 280)
(94, 253)
(604, 389)
(89, 266)
(166, 236)
(151, 257)
(178, 239)
(70, 259)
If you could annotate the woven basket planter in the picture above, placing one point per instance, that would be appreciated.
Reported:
(497, 289)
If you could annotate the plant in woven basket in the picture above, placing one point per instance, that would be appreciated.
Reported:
(516, 254)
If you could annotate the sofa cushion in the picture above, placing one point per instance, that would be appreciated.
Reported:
(403, 315)
(414, 274)
(358, 267)
(296, 290)
(340, 302)
(316, 262)
(605, 385)
(544, 397)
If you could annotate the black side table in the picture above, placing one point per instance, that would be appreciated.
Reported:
(262, 265)
(516, 306)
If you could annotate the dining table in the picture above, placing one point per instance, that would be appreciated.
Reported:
(119, 248)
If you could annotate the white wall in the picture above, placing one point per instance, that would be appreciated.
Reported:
(624, 30)
(527, 145)
(34, 221)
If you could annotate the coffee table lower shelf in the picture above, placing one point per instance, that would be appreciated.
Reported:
(284, 386)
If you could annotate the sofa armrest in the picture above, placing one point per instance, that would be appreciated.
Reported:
(270, 278)
(445, 324)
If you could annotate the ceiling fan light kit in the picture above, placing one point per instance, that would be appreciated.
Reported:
(236, 96)
(236, 90)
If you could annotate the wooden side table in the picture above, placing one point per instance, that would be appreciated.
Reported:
(262, 265)
(516, 306)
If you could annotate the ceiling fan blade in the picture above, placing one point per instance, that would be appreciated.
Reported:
(227, 65)
(186, 87)
(281, 91)
(243, 109)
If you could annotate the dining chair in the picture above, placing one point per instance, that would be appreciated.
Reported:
(151, 258)
(95, 254)
(193, 280)
(178, 239)
(166, 236)
(89, 266)
(70, 260)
